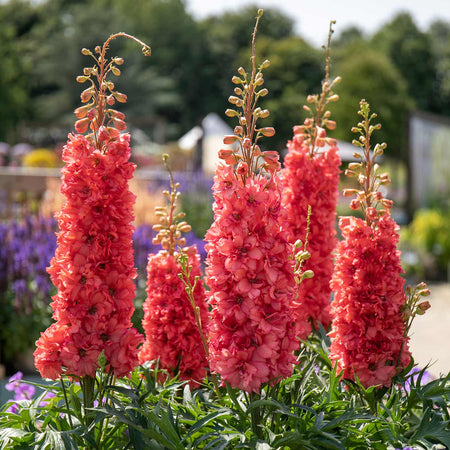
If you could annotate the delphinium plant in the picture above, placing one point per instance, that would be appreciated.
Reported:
(311, 177)
(174, 341)
(265, 401)
(93, 263)
(249, 270)
(369, 334)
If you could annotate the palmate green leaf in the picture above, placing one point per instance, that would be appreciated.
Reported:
(433, 427)
(217, 440)
(295, 440)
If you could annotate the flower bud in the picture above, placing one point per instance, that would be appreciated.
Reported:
(116, 114)
(86, 52)
(231, 113)
(92, 114)
(422, 307)
(118, 61)
(121, 98)
(349, 192)
(307, 274)
(238, 130)
(355, 204)
(237, 80)
(264, 113)
(82, 125)
(262, 92)
(265, 64)
(371, 213)
(110, 100)
(228, 156)
(331, 124)
(113, 132)
(115, 71)
(321, 133)
(270, 156)
(267, 132)
(81, 111)
(82, 79)
(103, 134)
(230, 139)
(388, 204)
(86, 95)
(242, 168)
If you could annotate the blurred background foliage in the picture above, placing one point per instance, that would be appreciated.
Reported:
(397, 69)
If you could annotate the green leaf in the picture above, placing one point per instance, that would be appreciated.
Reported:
(433, 427)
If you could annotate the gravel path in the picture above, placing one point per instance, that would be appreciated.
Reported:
(430, 334)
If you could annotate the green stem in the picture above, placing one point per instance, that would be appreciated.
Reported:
(256, 416)
(67, 403)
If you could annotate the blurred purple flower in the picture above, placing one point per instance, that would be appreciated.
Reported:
(414, 375)
(22, 391)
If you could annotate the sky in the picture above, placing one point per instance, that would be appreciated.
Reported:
(312, 17)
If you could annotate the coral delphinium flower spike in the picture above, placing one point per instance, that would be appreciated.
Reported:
(369, 330)
(170, 326)
(310, 177)
(249, 265)
(93, 263)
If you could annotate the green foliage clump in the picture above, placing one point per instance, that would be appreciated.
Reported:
(429, 235)
(311, 410)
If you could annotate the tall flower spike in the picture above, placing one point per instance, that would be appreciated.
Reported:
(250, 269)
(311, 177)
(369, 333)
(170, 324)
(248, 159)
(93, 263)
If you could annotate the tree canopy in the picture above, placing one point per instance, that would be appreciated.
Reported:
(189, 74)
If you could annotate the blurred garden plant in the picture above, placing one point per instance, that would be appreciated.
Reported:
(25, 288)
(264, 388)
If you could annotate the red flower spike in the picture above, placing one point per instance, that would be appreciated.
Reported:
(249, 265)
(311, 180)
(369, 333)
(93, 263)
(368, 330)
(171, 333)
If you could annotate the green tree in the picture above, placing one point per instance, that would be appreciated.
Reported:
(439, 33)
(229, 36)
(296, 70)
(18, 19)
(371, 75)
(410, 51)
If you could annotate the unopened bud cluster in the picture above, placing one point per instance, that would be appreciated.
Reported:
(96, 115)
(366, 171)
(248, 155)
(314, 127)
(415, 305)
(171, 227)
